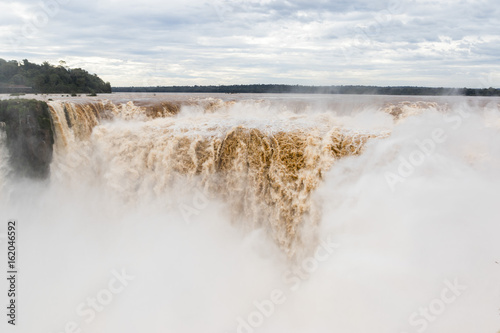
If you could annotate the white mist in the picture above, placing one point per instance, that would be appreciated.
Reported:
(395, 250)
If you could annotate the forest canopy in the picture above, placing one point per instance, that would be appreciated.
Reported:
(46, 78)
(298, 89)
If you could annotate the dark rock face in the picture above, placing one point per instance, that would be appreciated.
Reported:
(30, 139)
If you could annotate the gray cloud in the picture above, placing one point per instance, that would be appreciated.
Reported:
(446, 43)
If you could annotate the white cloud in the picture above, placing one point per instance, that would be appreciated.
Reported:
(445, 43)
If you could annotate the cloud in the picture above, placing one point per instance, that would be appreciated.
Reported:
(430, 43)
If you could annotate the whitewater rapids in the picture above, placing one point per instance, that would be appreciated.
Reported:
(261, 213)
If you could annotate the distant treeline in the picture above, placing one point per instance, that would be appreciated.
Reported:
(298, 89)
(24, 77)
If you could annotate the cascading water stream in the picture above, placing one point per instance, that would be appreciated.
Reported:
(264, 169)
(260, 214)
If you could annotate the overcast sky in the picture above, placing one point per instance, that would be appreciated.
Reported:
(452, 43)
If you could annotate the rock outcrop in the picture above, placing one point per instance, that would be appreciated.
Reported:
(30, 140)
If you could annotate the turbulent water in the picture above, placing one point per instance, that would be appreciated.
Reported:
(248, 213)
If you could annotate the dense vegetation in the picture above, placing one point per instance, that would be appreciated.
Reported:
(296, 89)
(25, 77)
